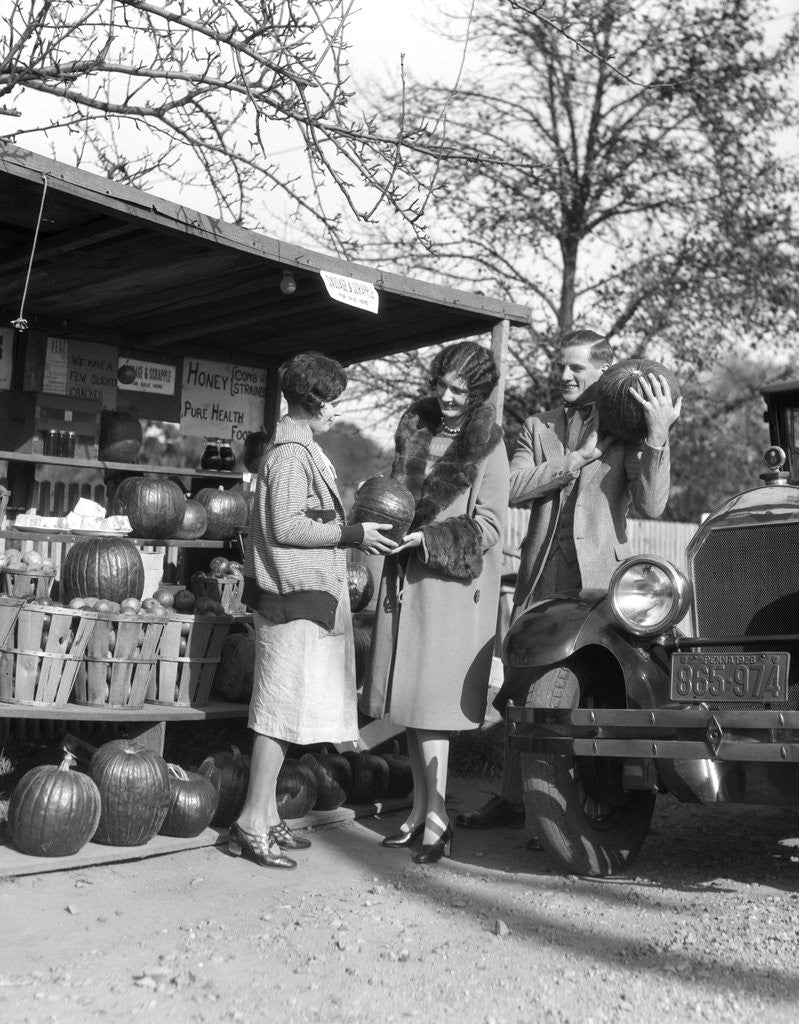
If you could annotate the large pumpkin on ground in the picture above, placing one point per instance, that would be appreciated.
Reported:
(400, 774)
(296, 789)
(192, 803)
(229, 770)
(134, 793)
(234, 674)
(120, 437)
(382, 499)
(105, 567)
(226, 511)
(53, 812)
(154, 505)
(370, 778)
(333, 778)
(194, 523)
(619, 413)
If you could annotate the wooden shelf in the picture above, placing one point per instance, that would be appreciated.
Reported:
(60, 537)
(119, 467)
(148, 713)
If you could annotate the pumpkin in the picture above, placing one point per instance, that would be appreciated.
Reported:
(382, 499)
(234, 673)
(230, 773)
(120, 437)
(296, 789)
(154, 505)
(370, 777)
(254, 448)
(108, 568)
(619, 413)
(192, 803)
(333, 778)
(194, 523)
(226, 512)
(362, 637)
(360, 584)
(400, 774)
(134, 793)
(53, 812)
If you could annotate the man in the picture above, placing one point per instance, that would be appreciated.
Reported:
(580, 487)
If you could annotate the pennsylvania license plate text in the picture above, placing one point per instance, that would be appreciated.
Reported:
(753, 676)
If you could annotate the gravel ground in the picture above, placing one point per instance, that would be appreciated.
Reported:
(704, 928)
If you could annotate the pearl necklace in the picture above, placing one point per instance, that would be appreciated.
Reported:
(449, 431)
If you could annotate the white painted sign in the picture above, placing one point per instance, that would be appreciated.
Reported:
(6, 352)
(361, 294)
(56, 366)
(152, 378)
(221, 399)
(81, 369)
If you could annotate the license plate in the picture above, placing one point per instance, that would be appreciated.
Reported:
(754, 676)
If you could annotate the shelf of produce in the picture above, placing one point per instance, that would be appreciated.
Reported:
(118, 467)
(68, 538)
(148, 713)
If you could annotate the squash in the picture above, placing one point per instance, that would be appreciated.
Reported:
(192, 803)
(230, 773)
(400, 774)
(382, 499)
(194, 522)
(370, 778)
(333, 778)
(234, 673)
(120, 436)
(109, 568)
(226, 512)
(154, 505)
(619, 413)
(53, 811)
(360, 584)
(134, 793)
(296, 789)
(254, 448)
(362, 638)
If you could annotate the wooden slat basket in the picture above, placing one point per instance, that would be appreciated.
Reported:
(39, 658)
(188, 655)
(20, 581)
(228, 590)
(119, 663)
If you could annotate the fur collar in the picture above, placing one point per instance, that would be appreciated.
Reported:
(456, 471)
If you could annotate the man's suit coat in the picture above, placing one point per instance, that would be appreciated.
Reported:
(626, 474)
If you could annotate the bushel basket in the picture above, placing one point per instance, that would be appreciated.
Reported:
(187, 658)
(42, 653)
(120, 661)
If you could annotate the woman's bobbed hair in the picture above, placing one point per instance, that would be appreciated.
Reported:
(310, 379)
(470, 361)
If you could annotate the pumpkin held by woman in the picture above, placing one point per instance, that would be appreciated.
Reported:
(382, 499)
(619, 413)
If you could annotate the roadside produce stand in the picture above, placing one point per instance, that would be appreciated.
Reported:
(116, 301)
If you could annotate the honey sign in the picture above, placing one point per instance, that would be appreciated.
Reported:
(221, 399)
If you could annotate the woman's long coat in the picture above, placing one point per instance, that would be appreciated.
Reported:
(433, 641)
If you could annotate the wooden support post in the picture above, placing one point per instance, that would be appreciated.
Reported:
(499, 345)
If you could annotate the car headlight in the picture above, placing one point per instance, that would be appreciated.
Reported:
(648, 595)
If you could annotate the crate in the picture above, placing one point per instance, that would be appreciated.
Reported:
(22, 581)
(40, 657)
(187, 658)
(119, 663)
(227, 590)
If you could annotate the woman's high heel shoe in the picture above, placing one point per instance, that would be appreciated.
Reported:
(404, 838)
(432, 852)
(262, 848)
(286, 839)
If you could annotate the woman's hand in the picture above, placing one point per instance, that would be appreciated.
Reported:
(374, 542)
(410, 540)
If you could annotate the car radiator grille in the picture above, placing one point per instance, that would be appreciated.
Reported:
(746, 583)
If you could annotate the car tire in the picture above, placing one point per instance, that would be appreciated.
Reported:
(576, 806)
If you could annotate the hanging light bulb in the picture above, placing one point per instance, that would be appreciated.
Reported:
(288, 283)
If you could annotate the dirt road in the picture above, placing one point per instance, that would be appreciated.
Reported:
(706, 929)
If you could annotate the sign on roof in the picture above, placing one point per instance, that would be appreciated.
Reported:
(361, 294)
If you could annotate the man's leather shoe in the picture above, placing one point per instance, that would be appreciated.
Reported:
(496, 812)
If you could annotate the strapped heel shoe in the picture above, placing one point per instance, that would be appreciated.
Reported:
(404, 837)
(430, 853)
(286, 839)
(262, 848)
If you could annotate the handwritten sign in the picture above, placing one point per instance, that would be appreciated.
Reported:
(6, 351)
(152, 378)
(221, 399)
(355, 293)
(81, 369)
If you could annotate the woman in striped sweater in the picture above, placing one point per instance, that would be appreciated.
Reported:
(296, 585)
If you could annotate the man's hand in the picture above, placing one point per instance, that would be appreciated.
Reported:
(374, 543)
(659, 410)
(593, 447)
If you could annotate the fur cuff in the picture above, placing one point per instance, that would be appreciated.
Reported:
(455, 547)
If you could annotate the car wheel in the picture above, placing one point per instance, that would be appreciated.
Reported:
(577, 807)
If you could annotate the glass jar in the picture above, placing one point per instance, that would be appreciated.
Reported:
(227, 456)
(211, 458)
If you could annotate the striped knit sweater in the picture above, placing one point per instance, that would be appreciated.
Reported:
(294, 563)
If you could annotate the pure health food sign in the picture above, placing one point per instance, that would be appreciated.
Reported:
(221, 399)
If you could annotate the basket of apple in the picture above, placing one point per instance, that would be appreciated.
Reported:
(195, 630)
(26, 573)
(223, 582)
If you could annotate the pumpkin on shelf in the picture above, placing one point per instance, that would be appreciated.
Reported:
(619, 413)
(370, 778)
(120, 437)
(194, 522)
(360, 584)
(296, 789)
(234, 673)
(192, 803)
(229, 770)
(154, 505)
(134, 793)
(382, 499)
(109, 568)
(226, 511)
(53, 811)
(333, 778)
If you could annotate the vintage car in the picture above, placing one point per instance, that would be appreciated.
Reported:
(613, 704)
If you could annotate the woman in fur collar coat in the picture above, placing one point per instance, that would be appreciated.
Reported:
(436, 617)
